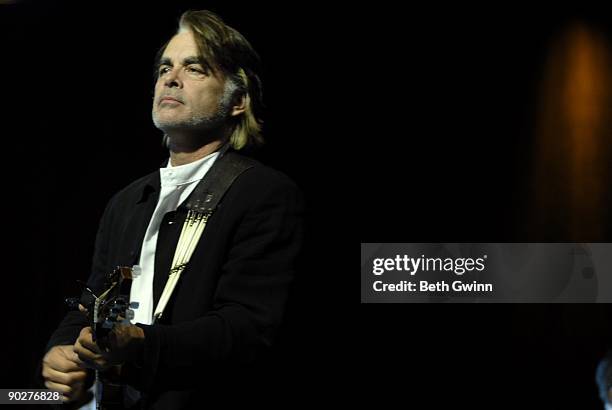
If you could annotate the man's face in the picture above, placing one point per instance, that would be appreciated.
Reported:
(187, 95)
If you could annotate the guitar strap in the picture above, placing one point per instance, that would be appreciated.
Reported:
(201, 204)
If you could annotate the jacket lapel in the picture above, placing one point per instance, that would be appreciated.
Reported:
(138, 221)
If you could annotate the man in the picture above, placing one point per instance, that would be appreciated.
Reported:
(229, 300)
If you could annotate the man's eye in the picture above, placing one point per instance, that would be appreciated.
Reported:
(192, 69)
(163, 70)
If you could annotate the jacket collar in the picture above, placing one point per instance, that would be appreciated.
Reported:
(152, 185)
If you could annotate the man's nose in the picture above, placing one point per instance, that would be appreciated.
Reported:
(172, 79)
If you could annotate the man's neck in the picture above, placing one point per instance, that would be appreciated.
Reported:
(186, 157)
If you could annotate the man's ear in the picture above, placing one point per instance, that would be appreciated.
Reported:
(240, 105)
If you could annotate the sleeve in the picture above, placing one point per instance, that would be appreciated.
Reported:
(249, 300)
(603, 378)
(607, 369)
(69, 328)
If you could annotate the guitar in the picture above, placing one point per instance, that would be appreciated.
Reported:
(105, 311)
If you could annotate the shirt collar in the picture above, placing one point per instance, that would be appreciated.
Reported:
(188, 173)
(152, 183)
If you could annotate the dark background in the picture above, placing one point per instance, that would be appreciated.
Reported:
(400, 125)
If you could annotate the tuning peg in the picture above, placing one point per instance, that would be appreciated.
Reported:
(73, 303)
(129, 314)
(136, 271)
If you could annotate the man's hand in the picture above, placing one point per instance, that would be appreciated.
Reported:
(88, 352)
(125, 343)
(62, 372)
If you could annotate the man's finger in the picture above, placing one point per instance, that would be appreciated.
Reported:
(69, 379)
(75, 358)
(63, 365)
(66, 391)
(86, 340)
(89, 359)
(84, 355)
(62, 388)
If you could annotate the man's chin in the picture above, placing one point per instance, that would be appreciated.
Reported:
(168, 125)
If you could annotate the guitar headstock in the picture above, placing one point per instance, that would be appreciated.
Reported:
(112, 306)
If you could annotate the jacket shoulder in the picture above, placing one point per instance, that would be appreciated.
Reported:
(262, 175)
(261, 185)
(263, 181)
(134, 192)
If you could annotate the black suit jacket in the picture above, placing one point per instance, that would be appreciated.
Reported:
(230, 299)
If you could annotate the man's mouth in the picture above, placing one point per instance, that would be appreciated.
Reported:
(170, 100)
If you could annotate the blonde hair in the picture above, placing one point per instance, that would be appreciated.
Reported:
(248, 128)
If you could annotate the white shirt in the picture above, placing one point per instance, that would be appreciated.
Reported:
(177, 183)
